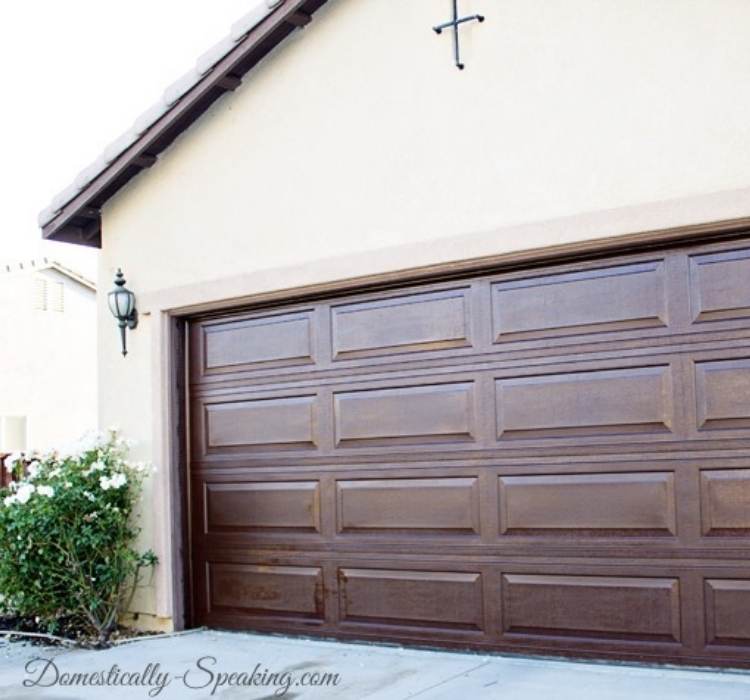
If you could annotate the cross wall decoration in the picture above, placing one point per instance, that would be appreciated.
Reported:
(454, 24)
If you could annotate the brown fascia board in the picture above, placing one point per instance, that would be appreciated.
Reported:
(79, 221)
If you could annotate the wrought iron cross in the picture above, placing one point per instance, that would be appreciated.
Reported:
(454, 24)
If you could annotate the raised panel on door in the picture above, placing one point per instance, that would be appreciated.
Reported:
(634, 504)
(719, 288)
(722, 389)
(275, 340)
(272, 506)
(443, 600)
(618, 298)
(725, 502)
(263, 590)
(448, 506)
(595, 403)
(727, 611)
(260, 424)
(608, 607)
(410, 323)
(405, 415)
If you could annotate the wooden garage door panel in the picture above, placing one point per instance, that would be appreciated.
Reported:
(278, 339)
(592, 606)
(723, 394)
(292, 591)
(433, 413)
(403, 505)
(727, 611)
(570, 504)
(725, 502)
(257, 506)
(719, 286)
(261, 423)
(571, 303)
(417, 322)
(441, 599)
(591, 403)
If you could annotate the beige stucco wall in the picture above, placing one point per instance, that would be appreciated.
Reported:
(357, 148)
(47, 358)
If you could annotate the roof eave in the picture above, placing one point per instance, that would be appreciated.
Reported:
(79, 220)
(72, 274)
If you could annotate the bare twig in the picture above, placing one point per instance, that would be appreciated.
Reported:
(164, 635)
(39, 635)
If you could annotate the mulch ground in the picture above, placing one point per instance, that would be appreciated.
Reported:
(68, 629)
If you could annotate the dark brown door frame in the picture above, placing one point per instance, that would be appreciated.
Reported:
(178, 356)
(179, 464)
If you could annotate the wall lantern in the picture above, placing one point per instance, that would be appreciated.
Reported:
(122, 305)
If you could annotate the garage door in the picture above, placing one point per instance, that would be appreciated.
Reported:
(548, 460)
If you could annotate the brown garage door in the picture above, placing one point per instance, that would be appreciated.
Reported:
(550, 460)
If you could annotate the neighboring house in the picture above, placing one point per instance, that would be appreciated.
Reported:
(438, 356)
(48, 394)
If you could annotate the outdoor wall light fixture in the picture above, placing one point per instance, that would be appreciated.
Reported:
(122, 305)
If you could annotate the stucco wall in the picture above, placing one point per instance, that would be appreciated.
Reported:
(47, 359)
(358, 142)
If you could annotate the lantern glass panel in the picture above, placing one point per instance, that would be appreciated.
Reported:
(126, 303)
(121, 303)
(112, 302)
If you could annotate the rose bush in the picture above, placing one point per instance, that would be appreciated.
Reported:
(67, 533)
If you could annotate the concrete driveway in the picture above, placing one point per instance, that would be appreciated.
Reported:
(201, 664)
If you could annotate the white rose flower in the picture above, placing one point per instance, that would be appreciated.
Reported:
(9, 500)
(89, 442)
(118, 480)
(45, 491)
(11, 459)
(98, 466)
(33, 470)
(24, 493)
(115, 482)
